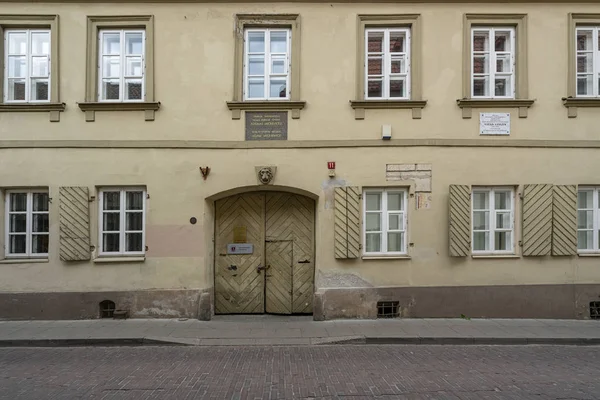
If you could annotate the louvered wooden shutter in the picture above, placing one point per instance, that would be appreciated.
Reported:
(460, 220)
(347, 222)
(74, 224)
(537, 220)
(564, 220)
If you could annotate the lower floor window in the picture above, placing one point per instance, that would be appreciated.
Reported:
(384, 221)
(493, 220)
(27, 223)
(122, 221)
(588, 224)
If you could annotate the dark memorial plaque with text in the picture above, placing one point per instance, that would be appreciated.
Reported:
(267, 125)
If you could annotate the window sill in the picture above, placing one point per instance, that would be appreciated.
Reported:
(360, 106)
(24, 261)
(108, 260)
(484, 256)
(468, 104)
(588, 254)
(54, 109)
(90, 108)
(384, 257)
(573, 102)
(236, 107)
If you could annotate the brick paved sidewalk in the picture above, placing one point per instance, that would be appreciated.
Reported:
(276, 330)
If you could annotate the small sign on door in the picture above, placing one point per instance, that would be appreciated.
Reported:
(240, 248)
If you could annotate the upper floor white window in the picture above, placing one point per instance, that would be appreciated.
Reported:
(267, 64)
(27, 223)
(26, 65)
(493, 220)
(121, 65)
(493, 67)
(387, 66)
(588, 220)
(588, 61)
(385, 221)
(122, 221)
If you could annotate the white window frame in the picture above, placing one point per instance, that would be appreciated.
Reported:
(595, 60)
(29, 55)
(29, 224)
(267, 67)
(492, 219)
(123, 77)
(385, 218)
(387, 63)
(595, 219)
(122, 222)
(492, 61)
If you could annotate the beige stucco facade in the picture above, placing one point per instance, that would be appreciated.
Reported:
(193, 80)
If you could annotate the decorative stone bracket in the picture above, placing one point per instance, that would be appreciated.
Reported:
(90, 108)
(572, 103)
(236, 107)
(54, 109)
(359, 106)
(467, 105)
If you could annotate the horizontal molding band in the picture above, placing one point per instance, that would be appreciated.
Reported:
(294, 144)
(298, 1)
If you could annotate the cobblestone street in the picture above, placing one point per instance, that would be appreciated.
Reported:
(327, 372)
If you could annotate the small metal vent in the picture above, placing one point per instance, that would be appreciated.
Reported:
(595, 309)
(107, 309)
(387, 309)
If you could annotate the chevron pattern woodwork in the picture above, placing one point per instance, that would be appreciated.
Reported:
(279, 276)
(564, 220)
(537, 220)
(74, 219)
(353, 206)
(347, 222)
(460, 220)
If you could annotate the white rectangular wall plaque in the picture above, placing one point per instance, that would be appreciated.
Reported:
(494, 123)
(240, 248)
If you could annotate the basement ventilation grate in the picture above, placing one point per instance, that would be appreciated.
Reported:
(387, 309)
(107, 309)
(595, 309)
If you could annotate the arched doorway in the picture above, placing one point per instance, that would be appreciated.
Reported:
(264, 253)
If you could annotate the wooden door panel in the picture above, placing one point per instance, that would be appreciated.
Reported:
(278, 288)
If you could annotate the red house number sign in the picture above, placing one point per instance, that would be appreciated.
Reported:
(331, 164)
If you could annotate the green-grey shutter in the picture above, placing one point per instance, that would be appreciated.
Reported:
(537, 220)
(347, 222)
(564, 220)
(460, 220)
(74, 223)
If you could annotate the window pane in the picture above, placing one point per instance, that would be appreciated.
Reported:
(133, 43)
(481, 220)
(110, 242)
(134, 89)
(111, 67)
(503, 220)
(398, 65)
(111, 222)
(17, 244)
(134, 66)
(39, 67)
(502, 86)
(18, 223)
(373, 244)
(18, 202)
(375, 42)
(133, 221)
(397, 88)
(395, 241)
(17, 67)
(375, 88)
(585, 199)
(110, 89)
(256, 42)
(395, 222)
(373, 222)
(584, 40)
(39, 89)
(256, 65)
(133, 242)
(40, 201)
(481, 200)
(112, 200)
(502, 201)
(584, 85)
(40, 43)
(397, 42)
(134, 200)
(502, 42)
(502, 241)
(481, 86)
(585, 63)
(256, 88)
(16, 89)
(17, 43)
(278, 87)
(585, 219)
(373, 201)
(40, 223)
(375, 66)
(480, 241)
(585, 240)
(278, 42)
(112, 43)
(395, 201)
(39, 244)
(481, 41)
(481, 64)
(503, 62)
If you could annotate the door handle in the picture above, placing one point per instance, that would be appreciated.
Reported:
(304, 262)
(262, 268)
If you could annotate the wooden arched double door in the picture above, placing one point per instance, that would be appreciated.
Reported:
(264, 254)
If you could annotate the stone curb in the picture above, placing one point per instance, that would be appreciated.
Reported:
(87, 342)
(482, 341)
